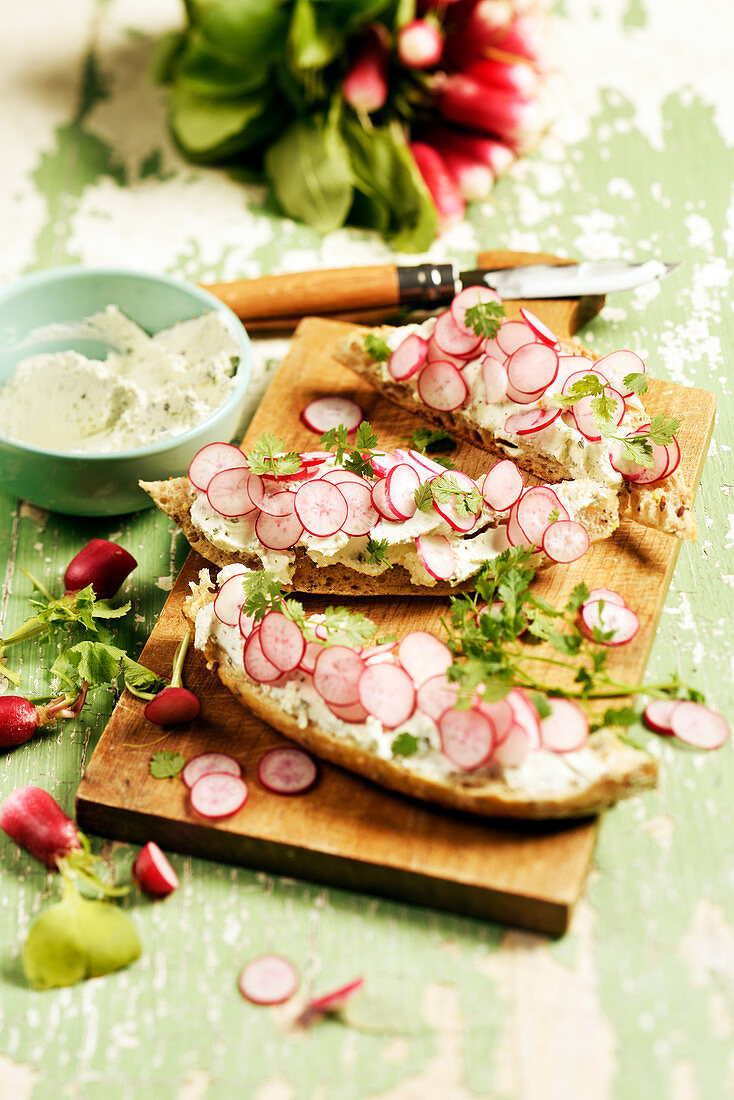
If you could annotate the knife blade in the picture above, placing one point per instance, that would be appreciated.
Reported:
(568, 281)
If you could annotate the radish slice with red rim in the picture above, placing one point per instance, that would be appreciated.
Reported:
(524, 398)
(287, 770)
(429, 463)
(310, 653)
(218, 794)
(331, 1002)
(525, 715)
(278, 532)
(584, 417)
(502, 486)
(657, 715)
(362, 515)
(442, 387)
(534, 511)
(532, 367)
(380, 503)
(515, 534)
(281, 641)
(268, 980)
(382, 463)
(315, 458)
(468, 298)
(256, 664)
(207, 763)
(280, 504)
(326, 413)
(633, 471)
(228, 494)
(387, 693)
(246, 623)
(531, 421)
(229, 600)
(619, 623)
(423, 656)
(453, 340)
(617, 365)
(408, 357)
(511, 752)
(354, 713)
(153, 872)
(539, 328)
(400, 488)
(577, 375)
(673, 449)
(565, 541)
(501, 716)
(566, 729)
(344, 477)
(213, 458)
(436, 353)
(436, 696)
(322, 508)
(436, 556)
(455, 514)
(467, 738)
(698, 725)
(375, 654)
(494, 378)
(336, 675)
(512, 335)
(606, 594)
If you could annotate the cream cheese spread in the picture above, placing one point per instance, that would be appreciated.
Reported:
(148, 388)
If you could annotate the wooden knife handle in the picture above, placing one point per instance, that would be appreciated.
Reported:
(311, 292)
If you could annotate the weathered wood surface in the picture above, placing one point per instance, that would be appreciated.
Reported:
(635, 1002)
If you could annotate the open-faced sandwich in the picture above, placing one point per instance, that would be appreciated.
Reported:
(514, 389)
(366, 521)
(449, 724)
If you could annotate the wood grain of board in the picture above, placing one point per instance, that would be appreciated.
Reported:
(347, 831)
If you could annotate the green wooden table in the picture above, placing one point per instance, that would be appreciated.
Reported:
(637, 1001)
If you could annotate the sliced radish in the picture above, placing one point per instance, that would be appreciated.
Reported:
(406, 458)
(322, 508)
(577, 375)
(301, 474)
(245, 623)
(467, 738)
(521, 398)
(530, 421)
(606, 594)
(361, 512)
(382, 463)
(345, 477)
(511, 752)
(566, 729)
(408, 357)
(387, 693)
(502, 486)
(207, 763)
(281, 641)
(211, 459)
(256, 489)
(336, 674)
(534, 510)
(620, 623)
(257, 666)
(354, 713)
(423, 656)
(331, 1002)
(380, 502)
(567, 365)
(657, 715)
(228, 495)
(436, 696)
(310, 653)
(467, 299)
(539, 328)
(532, 367)
(458, 518)
(454, 340)
(565, 541)
(436, 353)
(584, 417)
(515, 535)
(153, 872)
(501, 716)
(513, 335)
(229, 600)
(375, 654)
(492, 349)
(698, 725)
(633, 471)
(673, 449)
(280, 504)
(436, 556)
(617, 365)
(315, 458)
(494, 377)
(286, 770)
(525, 715)
(429, 463)
(326, 413)
(268, 980)
(442, 387)
(400, 488)
(218, 794)
(278, 532)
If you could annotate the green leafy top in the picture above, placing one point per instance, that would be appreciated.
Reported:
(269, 456)
(100, 664)
(376, 348)
(485, 318)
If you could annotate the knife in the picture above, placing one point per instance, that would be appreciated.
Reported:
(372, 293)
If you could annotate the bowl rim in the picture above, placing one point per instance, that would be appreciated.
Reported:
(76, 271)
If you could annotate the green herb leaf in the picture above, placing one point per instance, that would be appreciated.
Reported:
(268, 456)
(101, 665)
(431, 441)
(405, 744)
(377, 550)
(446, 490)
(541, 704)
(166, 764)
(637, 449)
(376, 348)
(587, 386)
(344, 627)
(485, 318)
(662, 430)
(578, 595)
(423, 497)
(635, 382)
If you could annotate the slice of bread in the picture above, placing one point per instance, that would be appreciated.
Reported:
(665, 507)
(604, 772)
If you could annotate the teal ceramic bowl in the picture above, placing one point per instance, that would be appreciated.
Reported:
(104, 484)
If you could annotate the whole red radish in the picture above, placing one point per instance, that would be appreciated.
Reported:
(174, 703)
(153, 872)
(444, 192)
(420, 44)
(33, 819)
(365, 85)
(101, 563)
(20, 718)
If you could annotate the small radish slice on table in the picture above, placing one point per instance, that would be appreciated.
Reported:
(280, 504)
(565, 541)
(331, 1002)
(268, 980)
(620, 623)
(494, 377)
(229, 600)
(606, 594)
(286, 770)
(441, 387)
(423, 656)
(436, 556)
(218, 794)
(468, 298)
(584, 417)
(534, 511)
(278, 532)
(257, 666)
(211, 459)
(657, 715)
(578, 375)
(101, 563)
(153, 872)
(228, 493)
(207, 763)
(531, 421)
(400, 488)
(539, 328)
(617, 365)
(698, 725)
(321, 507)
(502, 486)
(33, 819)
(281, 641)
(532, 368)
(173, 705)
(329, 412)
(566, 729)
(512, 335)
(336, 675)
(467, 738)
(454, 340)
(361, 512)
(408, 357)
(387, 693)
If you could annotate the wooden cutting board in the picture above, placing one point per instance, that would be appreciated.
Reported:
(346, 831)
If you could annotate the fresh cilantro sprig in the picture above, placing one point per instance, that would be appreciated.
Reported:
(432, 441)
(485, 318)
(269, 456)
(355, 457)
(423, 497)
(636, 383)
(376, 348)
(264, 593)
(445, 489)
(377, 552)
(166, 764)
(344, 627)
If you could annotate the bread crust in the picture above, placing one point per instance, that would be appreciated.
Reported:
(626, 771)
